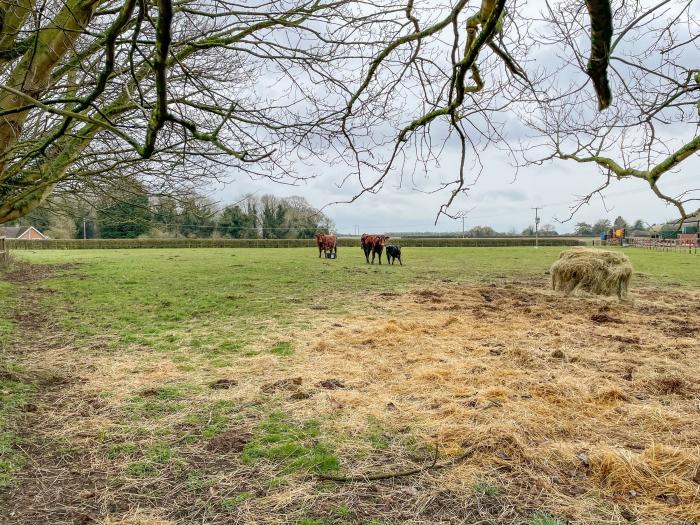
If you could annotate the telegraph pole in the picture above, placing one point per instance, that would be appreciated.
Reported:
(84, 230)
(537, 225)
(463, 227)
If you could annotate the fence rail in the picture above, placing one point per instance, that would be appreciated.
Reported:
(666, 245)
(343, 242)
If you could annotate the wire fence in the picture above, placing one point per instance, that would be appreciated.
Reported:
(667, 245)
(343, 242)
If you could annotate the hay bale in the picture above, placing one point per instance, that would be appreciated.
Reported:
(599, 272)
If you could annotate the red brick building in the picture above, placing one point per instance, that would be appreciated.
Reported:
(24, 233)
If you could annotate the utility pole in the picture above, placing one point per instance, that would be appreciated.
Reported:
(537, 226)
(84, 230)
(462, 227)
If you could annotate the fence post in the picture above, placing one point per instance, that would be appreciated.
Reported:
(3, 251)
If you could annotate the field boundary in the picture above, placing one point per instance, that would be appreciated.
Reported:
(343, 242)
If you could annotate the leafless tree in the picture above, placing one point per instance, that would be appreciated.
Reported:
(175, 93)
(651, 128)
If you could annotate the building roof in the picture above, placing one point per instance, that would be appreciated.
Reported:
(15, 232)
(12, 232)
(640, 233)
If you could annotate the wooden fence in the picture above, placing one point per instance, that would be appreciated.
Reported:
(4, 256)
(666, 245)
(343, 242)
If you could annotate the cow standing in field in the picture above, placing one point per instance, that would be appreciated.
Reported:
(327, 243)
(373, 244)
(393, 253)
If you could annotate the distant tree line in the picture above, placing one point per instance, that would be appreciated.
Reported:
(132, 213)
(604, 226)
(545, 230)
(481, 232)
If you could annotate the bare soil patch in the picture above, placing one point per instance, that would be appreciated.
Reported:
(229, 441)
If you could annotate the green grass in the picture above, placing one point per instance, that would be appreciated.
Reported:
(205, 309)
(377, 434)
(15, 393)
(211, 421)
(118, 450)
(486, 489)
(232, 502)
(542, 518)
(210, 299)
(7, 300)
(282, 349)
(293, 445)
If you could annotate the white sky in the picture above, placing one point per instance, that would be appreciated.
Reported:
(499, 199)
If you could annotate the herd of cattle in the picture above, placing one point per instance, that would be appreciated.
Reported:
(371, 244)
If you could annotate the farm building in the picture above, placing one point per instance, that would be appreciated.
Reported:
(24, 233)
(664, 231)
(691, 224)
(640, 234)
(687, 233)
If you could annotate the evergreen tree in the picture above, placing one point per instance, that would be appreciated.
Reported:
(127, 217)
(239, 223)
(273, 218)
(197, 217)
(620, 222)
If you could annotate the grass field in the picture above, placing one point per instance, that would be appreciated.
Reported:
(226, 386)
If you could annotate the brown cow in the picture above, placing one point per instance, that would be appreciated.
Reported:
(327, 243)
(374, 244)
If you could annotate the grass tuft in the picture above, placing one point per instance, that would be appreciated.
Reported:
(296, 446)
(485, 489)
(542, 518)
(282, 349)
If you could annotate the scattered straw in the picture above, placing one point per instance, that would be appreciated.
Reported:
(595, 423)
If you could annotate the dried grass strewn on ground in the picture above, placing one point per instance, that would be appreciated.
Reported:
(561, 411)
(578, 418)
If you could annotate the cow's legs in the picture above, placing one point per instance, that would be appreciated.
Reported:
(366, 250)
(319, 252)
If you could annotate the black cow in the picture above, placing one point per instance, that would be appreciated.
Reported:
(393, 253)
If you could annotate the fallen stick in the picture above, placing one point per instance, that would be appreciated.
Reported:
(401, 473)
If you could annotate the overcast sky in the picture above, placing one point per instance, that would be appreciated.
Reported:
(500, 198)
(497, 199)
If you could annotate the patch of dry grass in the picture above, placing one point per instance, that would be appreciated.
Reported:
(598, 423)
(535, 391)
